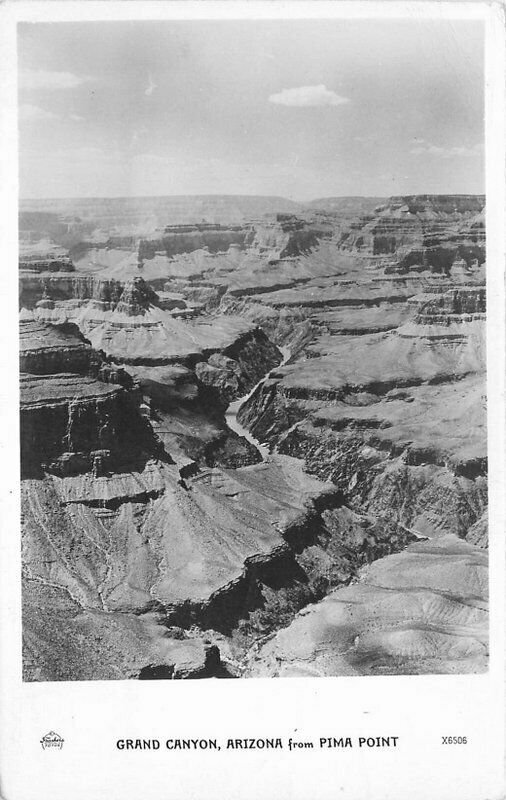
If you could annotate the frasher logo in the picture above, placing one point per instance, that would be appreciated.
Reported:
(52, 740)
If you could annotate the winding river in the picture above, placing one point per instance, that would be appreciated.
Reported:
(233, 410)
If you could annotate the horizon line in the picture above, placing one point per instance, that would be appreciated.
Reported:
(256, 196)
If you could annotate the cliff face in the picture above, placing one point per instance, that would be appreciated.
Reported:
(175, 243)
(66, 286)
(455, 304)
(46, 349)
(240, 365)
(287, 236)
(76, 413)
(136, 298)
(71, 424)
(426, 231)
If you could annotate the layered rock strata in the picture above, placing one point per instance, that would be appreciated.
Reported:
(76, 412)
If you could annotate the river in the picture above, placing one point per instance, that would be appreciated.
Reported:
(233, 410)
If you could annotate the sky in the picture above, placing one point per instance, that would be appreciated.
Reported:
(300, 109)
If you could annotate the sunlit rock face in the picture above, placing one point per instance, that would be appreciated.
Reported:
(337, 522)
(136, 298)
(426, 231)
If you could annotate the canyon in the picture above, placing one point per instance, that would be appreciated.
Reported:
(253, 437)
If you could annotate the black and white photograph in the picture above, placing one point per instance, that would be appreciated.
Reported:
(252, 397)
(252, 303)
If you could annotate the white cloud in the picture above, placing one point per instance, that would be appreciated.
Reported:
(306, 96)
(29, 113)
(448, 152)
(151, 86)
(44, 79)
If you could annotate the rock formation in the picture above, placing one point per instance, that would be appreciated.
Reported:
(75, 411)
(337, 523)
(423, 611)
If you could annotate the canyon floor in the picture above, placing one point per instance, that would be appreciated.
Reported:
(253, 437)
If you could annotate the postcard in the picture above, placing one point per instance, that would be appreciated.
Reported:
(252, 400)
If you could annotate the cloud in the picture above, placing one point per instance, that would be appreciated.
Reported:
(29, 113)
(306, 96)
(448, 152)
(31, 79)
(151, 86)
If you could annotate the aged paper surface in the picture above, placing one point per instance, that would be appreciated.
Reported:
(253, 400)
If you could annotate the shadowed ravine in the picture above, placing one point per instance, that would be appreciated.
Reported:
(234, 407)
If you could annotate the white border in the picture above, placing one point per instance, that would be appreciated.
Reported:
(76, 10)
(91, 715)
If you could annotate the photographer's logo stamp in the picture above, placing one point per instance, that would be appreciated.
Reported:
(53, 740)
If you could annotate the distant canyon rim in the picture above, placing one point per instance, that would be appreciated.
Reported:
(253, 437)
